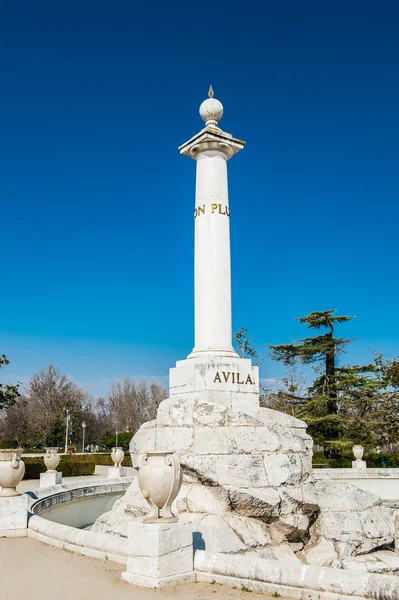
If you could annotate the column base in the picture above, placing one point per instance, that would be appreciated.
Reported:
(218, 352)
(227, 380)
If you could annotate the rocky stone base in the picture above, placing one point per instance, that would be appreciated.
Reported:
(248, 486)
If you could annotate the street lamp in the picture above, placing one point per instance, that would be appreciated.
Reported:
(83, 442)
(116, 441)
(68, 417)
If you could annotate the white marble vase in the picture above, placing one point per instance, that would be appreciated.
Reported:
(117, 456)
(52, 459)
(12, 469)
(160, 479)
(358, 452)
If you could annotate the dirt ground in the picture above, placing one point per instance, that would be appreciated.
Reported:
(30, 569)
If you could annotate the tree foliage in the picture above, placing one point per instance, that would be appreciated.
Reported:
(245, 346)
(37, 417)
(323, 348)
(344, 405)
(8, 393)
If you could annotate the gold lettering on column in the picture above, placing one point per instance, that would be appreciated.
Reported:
(249, 380)
(217, 378)
(227, 211)
(220, 210)
(226, 376)
(238, 380)
(232, 377)
(199, 210)
(214, 207)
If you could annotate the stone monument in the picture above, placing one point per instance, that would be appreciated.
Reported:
(248, 484)
(213, 372)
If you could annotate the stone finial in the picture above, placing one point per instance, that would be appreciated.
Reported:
(211, 110)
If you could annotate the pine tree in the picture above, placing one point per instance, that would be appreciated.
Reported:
(321, 407)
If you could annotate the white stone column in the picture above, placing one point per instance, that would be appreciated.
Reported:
(214, 372)
(213, 327)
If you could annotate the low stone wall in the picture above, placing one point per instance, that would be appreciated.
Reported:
(103, 470)
(71, 538)
(292, 579)
(382, 482)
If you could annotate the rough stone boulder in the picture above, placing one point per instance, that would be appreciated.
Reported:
(247, 478)
(352, 522)
(248, 485)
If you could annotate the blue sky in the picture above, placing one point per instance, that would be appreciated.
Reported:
(97, 277)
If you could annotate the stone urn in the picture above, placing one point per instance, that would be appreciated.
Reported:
(160, 479)
(117, 456)
(52, 459)
(358, 452)
(12, 469)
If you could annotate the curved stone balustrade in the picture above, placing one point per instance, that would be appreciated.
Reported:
(56, 498)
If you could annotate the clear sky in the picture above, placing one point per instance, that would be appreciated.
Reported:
(96, 204)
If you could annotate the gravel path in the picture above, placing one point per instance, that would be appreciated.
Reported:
(30, 569)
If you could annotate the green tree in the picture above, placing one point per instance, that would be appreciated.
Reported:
(8, 393)
(245, 346)
(321, 408)
(108, 439)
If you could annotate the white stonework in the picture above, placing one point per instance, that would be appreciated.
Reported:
(383, 482)
(14, 516)
(50, 478)
(114, 472)
(159, 554)
(211, 148)
(231, 381)
(359, 464)
(257, 514)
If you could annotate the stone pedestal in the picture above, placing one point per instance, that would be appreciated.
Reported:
(231, 381)
(50, 478)
(114, 472)
(14, 516)
(359, 464)
(159, 554)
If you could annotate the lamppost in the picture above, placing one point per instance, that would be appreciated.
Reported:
(116, 441)
(68, 417)
(83, 442)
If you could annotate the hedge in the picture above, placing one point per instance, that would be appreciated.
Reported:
(7, 444)
(105, 459)
(70, 466)
(372, 459)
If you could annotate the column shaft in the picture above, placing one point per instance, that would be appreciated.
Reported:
(213, 327)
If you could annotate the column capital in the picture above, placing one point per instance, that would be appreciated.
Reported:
(212, 138)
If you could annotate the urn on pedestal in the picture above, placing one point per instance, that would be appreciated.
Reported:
(358, 452)
(52, 459)
(12, 469)
(117, 456)
(160, 479)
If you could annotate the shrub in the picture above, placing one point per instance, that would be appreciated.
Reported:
(70, 466)
(373, 460)
(105, 459)
(7, 444)
(108, 439)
